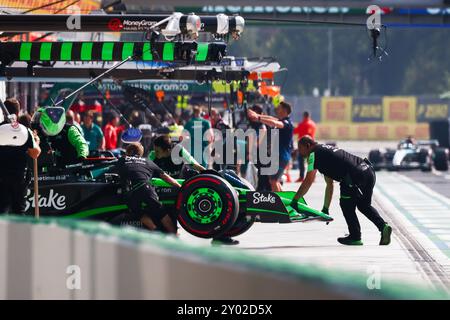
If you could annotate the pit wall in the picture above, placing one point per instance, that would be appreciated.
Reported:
(69, 259)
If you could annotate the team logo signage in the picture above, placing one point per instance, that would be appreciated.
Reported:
(52, 200)
(117, 25)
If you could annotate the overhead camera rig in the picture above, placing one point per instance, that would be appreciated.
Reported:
(47, 53)
(178, 30)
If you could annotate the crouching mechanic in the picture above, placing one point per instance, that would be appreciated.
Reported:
(135, 173)
(357, 180)
(162, 156)
(62, 142)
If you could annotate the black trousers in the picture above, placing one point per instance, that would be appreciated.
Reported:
(358, 194)
(12, 194)
(140, 202)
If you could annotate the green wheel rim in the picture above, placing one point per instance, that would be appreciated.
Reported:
(204, 205)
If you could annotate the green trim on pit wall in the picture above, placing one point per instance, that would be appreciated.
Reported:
(330, 279)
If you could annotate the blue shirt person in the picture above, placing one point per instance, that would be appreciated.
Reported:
(92, 133)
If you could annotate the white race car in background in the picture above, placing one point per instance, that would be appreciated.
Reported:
(423, 155)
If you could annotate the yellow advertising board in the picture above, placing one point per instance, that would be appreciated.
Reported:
(371, 131)
(399, 109)
(336, 109)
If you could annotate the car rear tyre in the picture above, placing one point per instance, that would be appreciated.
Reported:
(207, 206)
(441, 159)
(243, 222)
(375, 157)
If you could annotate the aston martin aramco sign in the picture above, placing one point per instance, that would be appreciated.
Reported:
(315, 10)
(270, 9)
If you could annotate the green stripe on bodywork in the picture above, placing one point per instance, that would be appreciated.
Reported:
(96, 211)
(167, 201)
(147, 52)
(107, 51)
(127, 50)
(45, 52)
(157, 182)
(66, 51)
(168, 51)
(86, 51)
(266, 211)
(202, 52)
(25, 51)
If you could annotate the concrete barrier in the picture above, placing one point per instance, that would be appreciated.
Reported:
(68, 259)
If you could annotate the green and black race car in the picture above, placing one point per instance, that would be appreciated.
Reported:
(208, 205)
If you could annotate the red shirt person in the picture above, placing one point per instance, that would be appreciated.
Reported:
(111, 132)
(306, 127)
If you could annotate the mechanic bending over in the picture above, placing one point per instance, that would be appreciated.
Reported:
(61, 141)
(162, 156)
(135, 173)
(357, 180)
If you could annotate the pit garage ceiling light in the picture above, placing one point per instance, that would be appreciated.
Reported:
(173, 26)
(236, 28)
(223, 25)
(240, 24)
(193, 25)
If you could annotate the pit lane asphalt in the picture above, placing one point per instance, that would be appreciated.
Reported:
(414, 256)
(438, 181)
(315, 242)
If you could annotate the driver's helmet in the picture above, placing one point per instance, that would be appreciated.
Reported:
(50, 120)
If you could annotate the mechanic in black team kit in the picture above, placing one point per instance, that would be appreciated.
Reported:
(162, 156)
(135, 174)
(357, 180)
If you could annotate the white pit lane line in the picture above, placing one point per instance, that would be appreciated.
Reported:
(429, 227)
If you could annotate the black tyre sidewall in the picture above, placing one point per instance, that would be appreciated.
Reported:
(227, 217)
(241, 226)
(375, 156)
(441, 160)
